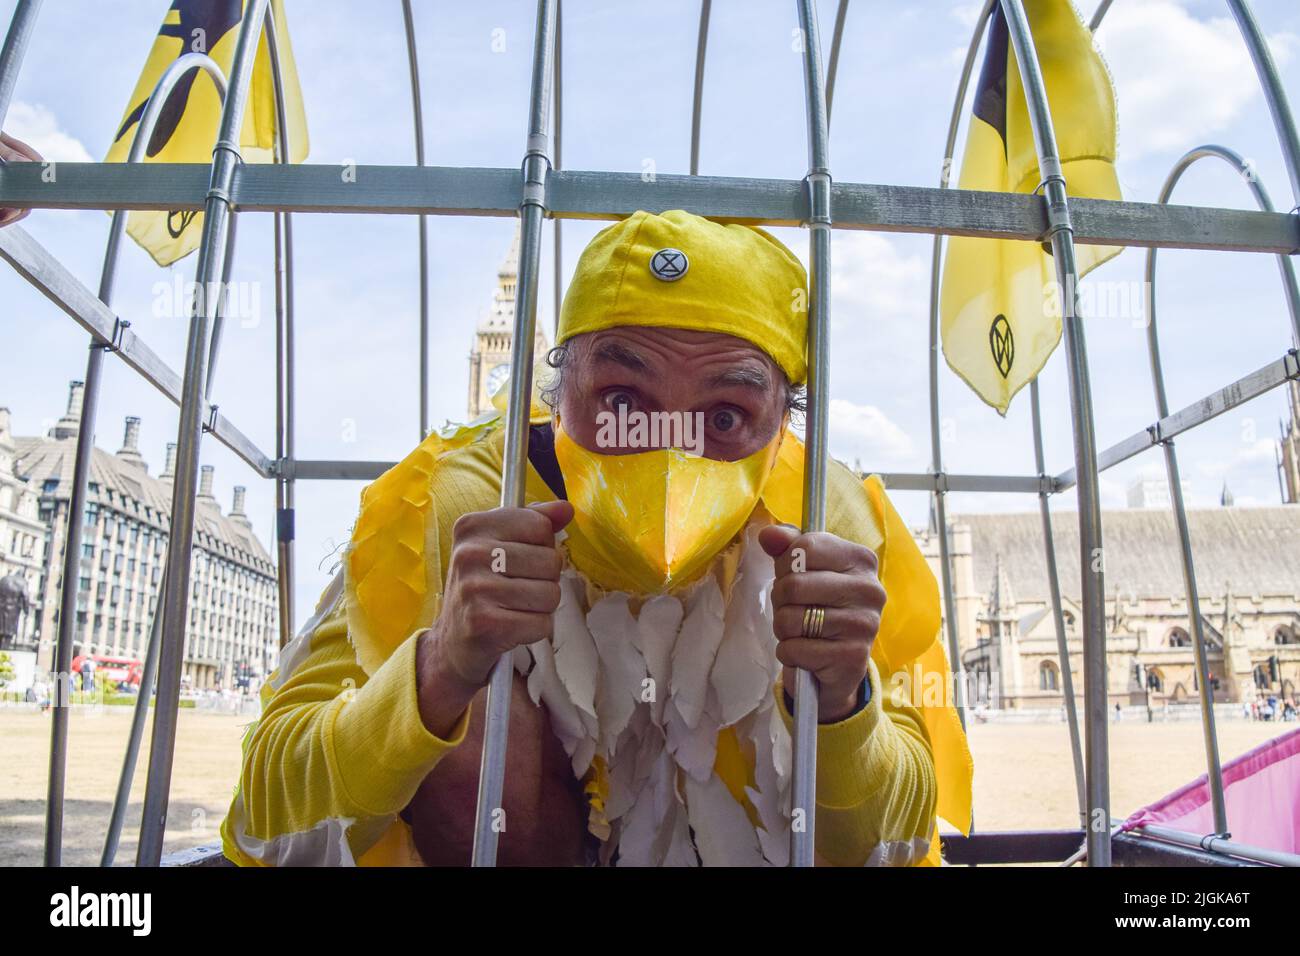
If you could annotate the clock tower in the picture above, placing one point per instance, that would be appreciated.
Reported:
(489, 360)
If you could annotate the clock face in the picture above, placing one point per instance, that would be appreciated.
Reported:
(496, 377)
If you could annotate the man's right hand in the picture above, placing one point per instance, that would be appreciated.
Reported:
(502, 586)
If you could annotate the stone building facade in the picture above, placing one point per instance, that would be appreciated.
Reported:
(232, 631)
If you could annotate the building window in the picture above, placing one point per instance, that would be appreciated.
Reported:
(1178, 638)
(1047, 676)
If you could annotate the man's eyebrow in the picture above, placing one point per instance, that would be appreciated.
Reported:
(746, 376)
(621, 355)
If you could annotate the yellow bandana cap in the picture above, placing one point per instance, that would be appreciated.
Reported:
(683, 271)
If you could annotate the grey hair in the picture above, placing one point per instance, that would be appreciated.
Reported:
(560, 358)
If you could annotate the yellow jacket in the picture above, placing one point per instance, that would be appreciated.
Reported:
(340, 747)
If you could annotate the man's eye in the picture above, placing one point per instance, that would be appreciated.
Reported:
(619, 397)
(724, 420)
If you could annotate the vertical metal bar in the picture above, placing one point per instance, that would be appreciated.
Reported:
(417, 110)
(139, 142)
(936, 447)
(284, 318)
(1058, 617)
(1214, 770)
(558, 125)
(1091, 555)
(532, 211)
(1274, 92)
(225, 157)
(803, 838)
(21, 28)
(832, 68)
(697, 100)
(62, 676)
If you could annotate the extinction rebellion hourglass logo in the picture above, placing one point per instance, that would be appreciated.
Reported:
(1003, 344)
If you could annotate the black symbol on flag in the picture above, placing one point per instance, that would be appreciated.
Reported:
(215, 18)
(1003, 344)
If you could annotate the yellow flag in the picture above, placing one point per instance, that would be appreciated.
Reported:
(187, 127)
(1000, 312)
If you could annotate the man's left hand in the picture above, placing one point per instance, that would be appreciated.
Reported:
(820, 569)
(15, 151)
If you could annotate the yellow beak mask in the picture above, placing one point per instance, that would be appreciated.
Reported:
(652, 521)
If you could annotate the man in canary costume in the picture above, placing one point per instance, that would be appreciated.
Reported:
(654, 594)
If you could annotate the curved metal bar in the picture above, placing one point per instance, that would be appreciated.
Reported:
(1058, 617)
(697, 102)
(936, 449)
(139, 143)
(832, 68)
(1099, 14)
(284, 355)
(1274, 92)
(532, 211)
(417, 110)
(225, 157)
(1287, 268)
(1091, 555)
(804, 772)
(21, 27)
(77, 499)
(218, 324)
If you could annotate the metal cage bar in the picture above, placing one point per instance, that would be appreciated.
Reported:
(532, 210)
(417, 119)
(1091, 555)
(17, 39)
(67, 627)
(176, 596)
(939, 489)
(1287, 269)
(818, 220)
(153, 109)
(602, 195)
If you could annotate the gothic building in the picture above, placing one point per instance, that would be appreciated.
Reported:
(1247, 569)
(489, 360)
(232, 629)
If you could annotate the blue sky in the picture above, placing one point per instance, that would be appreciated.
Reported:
(1182, 78)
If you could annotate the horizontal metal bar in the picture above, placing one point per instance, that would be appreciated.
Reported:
(1198, 413)
(298, 469)
(1216, 844)
(576, 194)
(1009, 846)
(928, 481)
(1136, 849)
(34, 263)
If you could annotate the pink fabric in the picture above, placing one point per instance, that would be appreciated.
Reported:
(1261, 791)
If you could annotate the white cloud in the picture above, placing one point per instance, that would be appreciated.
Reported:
(867, 433)
(39, 128)
(872, 280)
(1178, 79)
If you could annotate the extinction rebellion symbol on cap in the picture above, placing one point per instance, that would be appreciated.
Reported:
(669, 264)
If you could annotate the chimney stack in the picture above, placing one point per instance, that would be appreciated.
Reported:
(68, 425)
(76, 390)
(130, 450)
(205, 482)
(237, 509)
(169, 463)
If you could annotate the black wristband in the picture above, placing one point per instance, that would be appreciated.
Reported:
(864, 698)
